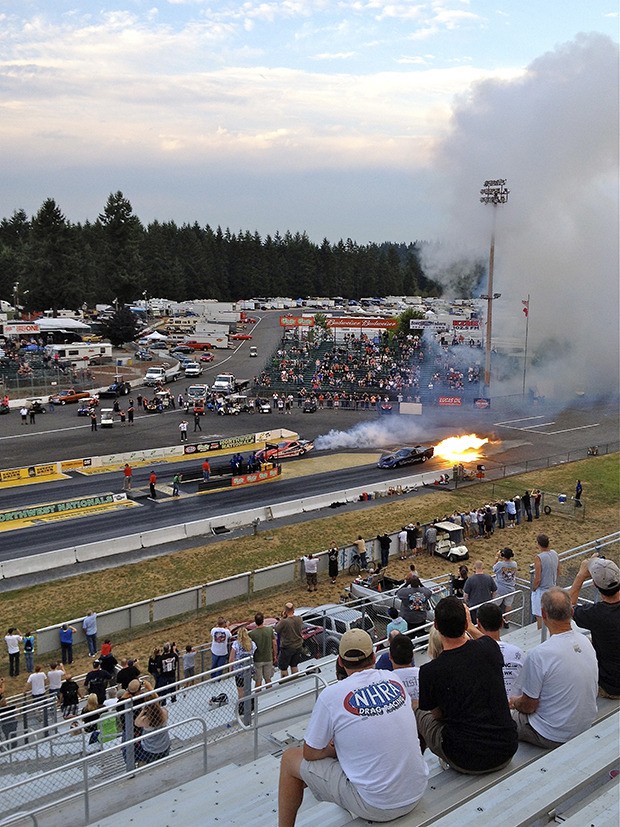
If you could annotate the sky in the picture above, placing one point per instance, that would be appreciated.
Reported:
(368, 119)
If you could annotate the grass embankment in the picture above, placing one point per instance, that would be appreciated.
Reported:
(56, 602)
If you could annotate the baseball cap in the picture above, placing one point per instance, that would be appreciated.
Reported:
(605, 573)
(355, 645)
(96, 663)
(133, 686)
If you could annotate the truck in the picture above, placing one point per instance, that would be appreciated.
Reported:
(227, 383)
(196, 393)
(154, 376)
(196, 345)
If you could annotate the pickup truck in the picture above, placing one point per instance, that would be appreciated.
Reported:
(195, 345)
(227, 383)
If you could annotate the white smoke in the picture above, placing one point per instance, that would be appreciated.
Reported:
(385, 433)
(553, 134)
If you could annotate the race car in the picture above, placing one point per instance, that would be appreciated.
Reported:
(67, 396)
(406, 456)
(285, 449)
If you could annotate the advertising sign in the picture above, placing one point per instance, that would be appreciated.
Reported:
(347, 321)
(466, 324)
(296, 321)
(423, 324)
(56, 508)
(450, 401)
(21, 328)
(14, 474)
(482, 402)
(259, 476)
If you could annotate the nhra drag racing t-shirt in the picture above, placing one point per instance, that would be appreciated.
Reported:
(369, 717)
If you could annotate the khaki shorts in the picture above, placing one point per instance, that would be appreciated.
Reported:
(263, 671)
(327, 782)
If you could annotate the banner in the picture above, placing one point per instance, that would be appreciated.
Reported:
(346, 321)
(259, 476)
(425, 324)
(296, 321)
(466, 324)
(12, 474)
(220, 444)
(21, 329)
(450, 401)
(482, 402)
(59, 508)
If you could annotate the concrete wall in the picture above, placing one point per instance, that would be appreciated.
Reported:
(178, 603)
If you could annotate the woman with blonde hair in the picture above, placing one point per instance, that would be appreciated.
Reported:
(155, 743)
(242, 648)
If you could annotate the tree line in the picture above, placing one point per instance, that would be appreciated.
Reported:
(59, 264)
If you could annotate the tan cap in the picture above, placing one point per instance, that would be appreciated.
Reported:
(355, 645)
(605, 573)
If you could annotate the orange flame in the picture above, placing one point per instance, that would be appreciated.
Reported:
(460, 448)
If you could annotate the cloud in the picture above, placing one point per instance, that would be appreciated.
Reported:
(334, 55)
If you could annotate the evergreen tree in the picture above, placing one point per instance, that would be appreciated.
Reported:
(121, 241)
(121, 327)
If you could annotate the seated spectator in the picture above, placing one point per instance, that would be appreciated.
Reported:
(155, 742)
(89, 715)
(384, 661)
(463, 713)
(69, 695)
(366, 707)
(396, 622)
(459, 582)
(401, 657)
(559, 680)
(489, 623)
(602, 619)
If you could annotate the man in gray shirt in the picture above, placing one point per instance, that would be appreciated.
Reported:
(479, 588)
(414, 599)
(430, 538)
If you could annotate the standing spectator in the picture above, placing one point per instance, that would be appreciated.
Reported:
(479, 588)
(602, 618)
(241, 649)
(511, 513)
(127, 673)
(518, 509)
(414, 602)
(430, 538)
(32, 415)
(526, 501)
(501, 513)
(108, 661)
(505, 571)
(93, 420)
(13, 638)
(220, 635)
(89, 625)
(332, 561)
(197, 425)
(189, 662)
(123, 416)
(266, 651)
(403, 545)
(546, 571)
(69, 694)
(396, 624)
(175, 484)
(23, 412)
(289, 628)
(206, 471)
(96, 681)
(311, 567)
(36, 683)
(28, 641)
(152, 481)
(559, 680)
(66, 642)
(537, 497)
(463, 715)
(55, 677)
(155, 743)
(385, 541)
(578, 493)
(169, 667)
(183, 430)
(130, 412)
(154, 666)
(360, 545)
(127, 474)
(459, 582)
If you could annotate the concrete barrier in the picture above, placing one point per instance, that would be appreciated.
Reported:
(158, 536)
(231, 587)
(107, 548)
(322, 500)
(240, 518)
(169, 605)
(38, 562)
(277, 575)
(286, 509)
(197, 528)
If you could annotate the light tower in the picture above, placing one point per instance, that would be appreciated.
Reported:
(493, 192)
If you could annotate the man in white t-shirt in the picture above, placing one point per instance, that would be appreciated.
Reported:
(36, 683)
(559, 682)
(13, 638)
(361, 749)
(220, 636)
(401, 658)
(489, 622)
(403, 546)
(311, 567)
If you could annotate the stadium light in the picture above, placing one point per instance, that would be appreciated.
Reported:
(493, 192)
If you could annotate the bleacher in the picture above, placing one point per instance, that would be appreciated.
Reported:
(241, 779)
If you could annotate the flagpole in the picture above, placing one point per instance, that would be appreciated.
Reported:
(527, 325)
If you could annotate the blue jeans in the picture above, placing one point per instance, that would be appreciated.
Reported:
(29, 658)
(501, 519)
(92, 644)
(217, 663)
